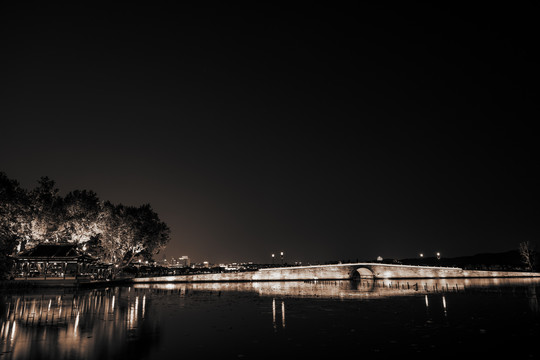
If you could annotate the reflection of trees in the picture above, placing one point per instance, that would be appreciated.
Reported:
(81, 325)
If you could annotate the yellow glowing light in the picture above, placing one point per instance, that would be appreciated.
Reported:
(76, 325)
(274, 312)
(13, 330)
(143, 305)
(283, 314)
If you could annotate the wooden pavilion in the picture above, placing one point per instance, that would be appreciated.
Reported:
(57, 261)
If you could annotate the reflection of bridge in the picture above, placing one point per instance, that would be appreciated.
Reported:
(340, 272)
(345, 289)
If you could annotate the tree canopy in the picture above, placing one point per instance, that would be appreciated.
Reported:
(114, 232)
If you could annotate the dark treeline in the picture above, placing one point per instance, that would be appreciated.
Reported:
(113, 233)
(525, 258)
(509, 260)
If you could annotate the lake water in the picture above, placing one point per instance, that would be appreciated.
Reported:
(427, 319)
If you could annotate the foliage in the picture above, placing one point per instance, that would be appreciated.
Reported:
(115, 233)
(12, 209)
(45, 209)
(129, 231)
(81, 215)
(14, 213)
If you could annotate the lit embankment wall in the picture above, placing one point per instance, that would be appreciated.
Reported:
(339, 272)
(383, 271)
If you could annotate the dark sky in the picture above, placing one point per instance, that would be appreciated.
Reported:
(327, 133)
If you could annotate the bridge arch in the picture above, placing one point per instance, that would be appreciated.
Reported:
(362, 273)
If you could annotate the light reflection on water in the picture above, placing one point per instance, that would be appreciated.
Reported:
(365, 289)
(137, 322)
(62, 325)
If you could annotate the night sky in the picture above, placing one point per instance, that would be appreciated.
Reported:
(337, 133)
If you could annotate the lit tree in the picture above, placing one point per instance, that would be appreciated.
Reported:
(126, 232)
(46, 224)
(151, 234)
(114, 233)
(528, 254)
(13, 215)
(81, 213)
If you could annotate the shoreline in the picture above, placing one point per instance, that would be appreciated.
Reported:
(355, 271)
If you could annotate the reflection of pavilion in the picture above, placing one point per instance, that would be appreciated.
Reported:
(57, 261)
(78, 324)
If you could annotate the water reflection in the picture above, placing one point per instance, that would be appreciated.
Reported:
(71, 325)
(122, 322)
(533, 300)
(274, 322)
(365, 289)
(444, 305)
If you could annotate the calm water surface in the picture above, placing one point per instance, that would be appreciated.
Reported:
(427, 319)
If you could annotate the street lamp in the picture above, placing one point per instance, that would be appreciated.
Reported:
(438, 256)
(282, 258)
(273, 256)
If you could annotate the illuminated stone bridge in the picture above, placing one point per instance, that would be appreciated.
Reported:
(339, 272)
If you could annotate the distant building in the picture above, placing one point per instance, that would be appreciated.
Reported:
(183, 261)
(203, 265)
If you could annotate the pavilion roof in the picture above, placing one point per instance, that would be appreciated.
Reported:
(51, 251)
